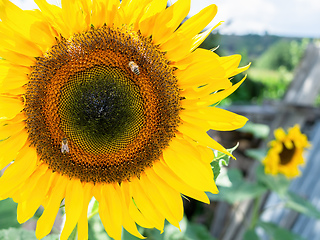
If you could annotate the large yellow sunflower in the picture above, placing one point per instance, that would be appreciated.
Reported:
(286, 152)
(102, 99)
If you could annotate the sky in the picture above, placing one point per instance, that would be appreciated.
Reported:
(295, 18)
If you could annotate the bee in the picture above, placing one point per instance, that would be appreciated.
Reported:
(134, 67)
(64, 145)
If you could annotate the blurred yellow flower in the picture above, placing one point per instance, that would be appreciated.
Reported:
(102, 98)
(286, 152)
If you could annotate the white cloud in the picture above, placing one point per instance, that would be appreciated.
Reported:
(282, 17)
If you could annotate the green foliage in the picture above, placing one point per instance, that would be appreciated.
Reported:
(189, 231)
(284, 53)
(251, 235)
(258, 130)
(301, 205)
(221, 159)
(278, 183)
(238, 190)
(22, 234)
(278, 233)
(257, 154)
(96, 229)
(8, 213)
(249, 91)
(74, 234)
(273, 61)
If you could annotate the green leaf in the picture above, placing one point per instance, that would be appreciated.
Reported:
(224, 158)
(257, 154)
(96, 229)
(278, 183)
(250, 235)
(277, 233)
(216, 169)
(221, 159)
(238, 190)
(74, 234)
(197, 232)
(22, 234)
(258, 130)
(95, 209)
(8, 213)
(189, 231)
(127, 236)
(301, 205)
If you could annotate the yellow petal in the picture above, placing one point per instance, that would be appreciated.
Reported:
(186, 45)
(171, 196)
(19, 171)
(128, 222)
(135, 214)
(74, 204)
(165, 173)
(10, 147)
(217, 97)
(198, 55)
(28, 208)
(145, 205)
(239, 70)
(27, 24)
(147, 21)
(280, 134)
(197, 134)
(73, 14)
(53, 15)
(30, 184)
(202, 92)
(104, 12)
(201, 69)
(169, 20)
(83, 220)
(105, 214)
(20, 45)
(46, 221)
(10, 107)
(216, 118)
(185, 164)
(10, 129)
(113, 206)
(158, 200)
(191, 27)
(17, 58)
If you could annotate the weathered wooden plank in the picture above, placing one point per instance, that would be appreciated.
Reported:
(302, 91)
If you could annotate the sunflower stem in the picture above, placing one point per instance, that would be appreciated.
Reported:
(92, 214)
(255, 212)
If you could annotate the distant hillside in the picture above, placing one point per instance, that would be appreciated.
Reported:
(272, 59)
(251, 45)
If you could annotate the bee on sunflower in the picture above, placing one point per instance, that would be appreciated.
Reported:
(80, 120)
(286, 152)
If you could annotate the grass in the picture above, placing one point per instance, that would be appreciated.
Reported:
(275, 82)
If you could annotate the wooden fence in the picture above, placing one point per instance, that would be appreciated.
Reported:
(297, 107)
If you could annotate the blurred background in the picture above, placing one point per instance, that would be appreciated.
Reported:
(281, 40)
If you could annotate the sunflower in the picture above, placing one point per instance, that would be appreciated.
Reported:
(110, 100)
(286, 152)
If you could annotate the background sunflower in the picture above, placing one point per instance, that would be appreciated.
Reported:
(286, 152)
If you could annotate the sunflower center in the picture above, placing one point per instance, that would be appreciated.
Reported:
(102, 105)
(286, 155)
